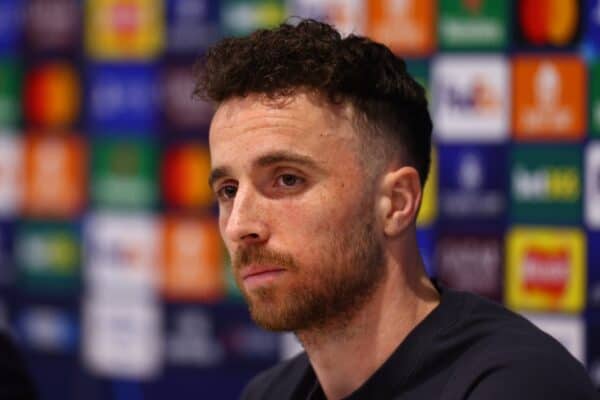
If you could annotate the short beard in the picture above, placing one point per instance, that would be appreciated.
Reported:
(324, 298)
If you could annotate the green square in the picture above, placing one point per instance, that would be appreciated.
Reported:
(48, 257)
(124, 174)
(10, 94)
(594, 113)
(546, 184)
(242, 17)
(473, 25)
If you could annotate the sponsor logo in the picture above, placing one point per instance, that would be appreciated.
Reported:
(11, 178)
(470, 188)
(124, 174)
(548, 22)
(407, 27)
(52, 25)
(471, 98)
(182, 111)
(191, 340)
(10, 92)
(193, 25)
(240, 18)
(124, 30)
(62, 161)
(568, 330)
(123, 98)
(592, 185)
(549, 96)
(48, 329)
(11, 19)
(594, 81)
(471, 262)
(471, 24)
(48, 257)
(122, 256)
(193, 266)
(52, 97)
(546, 184)
(348, 16)
(123, 340)
(545, 269)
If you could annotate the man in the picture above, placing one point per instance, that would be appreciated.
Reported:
(320, 148)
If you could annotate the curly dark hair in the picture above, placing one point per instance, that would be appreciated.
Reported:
(313, 56)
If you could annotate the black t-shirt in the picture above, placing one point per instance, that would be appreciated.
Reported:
(15, 383)
(466, 348)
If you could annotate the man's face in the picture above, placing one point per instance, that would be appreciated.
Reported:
(295, 210)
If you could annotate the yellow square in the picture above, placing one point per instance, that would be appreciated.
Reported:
(124, 29)
(545, 269)
(428, 210)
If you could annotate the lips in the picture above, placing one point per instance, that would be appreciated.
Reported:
(253, 271)
(260, 276)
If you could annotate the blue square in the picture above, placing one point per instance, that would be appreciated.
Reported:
(11, 26)
(592, 23)
(7, 263)
(122, 99)
(425, 240)
(192, 25)
(593, 269)
(472, 182)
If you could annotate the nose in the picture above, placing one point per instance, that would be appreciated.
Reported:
(246, 221)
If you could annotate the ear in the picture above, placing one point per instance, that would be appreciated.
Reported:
(400, 199)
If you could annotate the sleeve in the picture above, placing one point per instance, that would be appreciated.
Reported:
(15, 383)
(532, 380)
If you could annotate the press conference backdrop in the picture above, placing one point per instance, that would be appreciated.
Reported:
(113, 278)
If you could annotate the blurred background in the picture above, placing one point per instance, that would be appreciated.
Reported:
(113, 279)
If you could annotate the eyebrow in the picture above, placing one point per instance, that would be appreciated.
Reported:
(265, 161)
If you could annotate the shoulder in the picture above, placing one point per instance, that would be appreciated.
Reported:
(278, 382)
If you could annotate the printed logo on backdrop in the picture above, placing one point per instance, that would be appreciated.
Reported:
(241, 17)
(124, 30)
(48, 329)
(549, 98)
(592, 24)
(545, 269)
(123, 99)
(53, 25)
(473, 183)
(122, 257)
(428, 210)
(123, 340)
(193, 266)
(10, 92)
(7, 265)
(593, 277)
(469, 25)
(192, 25)
(546, 184)
(471, 262)
(124, 174)
(48, 258)
(190, 339)
(568, 330)
(471, 98)
(592, 185)
(348, 16)
(548, 23)
(52, 95)
(594, 85)
(61, 160)
(11, 19)
(11, 175)
(185, 171)
(183, 111)
(407, 27)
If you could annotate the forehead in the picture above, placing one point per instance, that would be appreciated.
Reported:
(242, 127)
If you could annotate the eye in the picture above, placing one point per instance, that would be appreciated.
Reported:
(227, 192)
(289, 180)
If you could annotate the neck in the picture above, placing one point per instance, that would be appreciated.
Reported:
(404, 298)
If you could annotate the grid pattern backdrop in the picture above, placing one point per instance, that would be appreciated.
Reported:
(113, 278)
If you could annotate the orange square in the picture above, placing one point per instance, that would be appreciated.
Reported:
(54, 176)
(193, 265)
(407, 27)
(549, 101)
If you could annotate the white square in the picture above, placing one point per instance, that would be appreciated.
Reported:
(11, 174)
(592, 185)
(471, 98)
